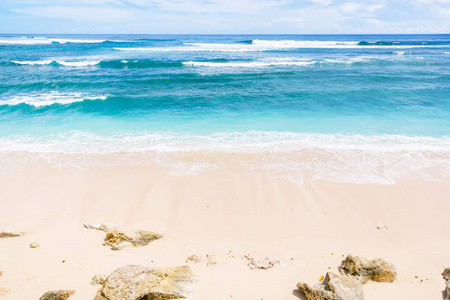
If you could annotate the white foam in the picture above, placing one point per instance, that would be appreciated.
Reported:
(64, 41)
(31, 62)
(293, 156)
(230, 142)
(253, 64)
(303, 44)
(78, 63)
(274, 62)
(266, 45)
(45, 99)
(45, 40)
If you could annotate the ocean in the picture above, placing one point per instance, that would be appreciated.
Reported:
(346, 108)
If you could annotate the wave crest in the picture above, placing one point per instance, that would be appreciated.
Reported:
(45, 99)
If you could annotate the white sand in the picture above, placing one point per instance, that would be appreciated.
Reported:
(309, 226)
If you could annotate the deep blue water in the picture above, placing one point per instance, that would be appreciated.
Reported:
(186, 87)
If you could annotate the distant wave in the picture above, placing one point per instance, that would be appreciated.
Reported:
(214, 63)
(45, 40)
(253, 64)
(277, 62)
(334, 44)
(45, 99)
(104, 64)
(138, 64)
(293, 156)
(270, 45)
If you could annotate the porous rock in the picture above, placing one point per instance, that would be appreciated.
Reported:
(263, 264)
(9, 234)
(98, 279)
(57, 295)
(118, 240)
(102, 227)
(194, 258)
(133, 282)
(376, 270)
(334, 287)
(446, 276)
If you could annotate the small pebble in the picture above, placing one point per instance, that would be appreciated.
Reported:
(34, 245)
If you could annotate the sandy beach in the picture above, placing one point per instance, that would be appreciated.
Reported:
(308, 226)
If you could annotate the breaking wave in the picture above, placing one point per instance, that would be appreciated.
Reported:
(293, 156)
(45, 99)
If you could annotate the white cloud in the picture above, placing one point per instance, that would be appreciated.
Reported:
(358, 7)
(321, 2)
(231, 16)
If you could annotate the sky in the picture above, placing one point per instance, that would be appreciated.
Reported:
(224, 16)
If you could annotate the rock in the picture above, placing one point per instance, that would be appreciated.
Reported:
(264, 264)
(4, 291)
(376, 270)
(334, 287)
(118, 240)
(57, 295)
(132, 282)
(211, 260)
(98, 279)
(143, 238)
(194, 258)
(34, 245)
(9, 234)
(102, 227)
(446, 276)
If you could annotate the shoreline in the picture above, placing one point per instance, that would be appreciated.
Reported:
(215, 213)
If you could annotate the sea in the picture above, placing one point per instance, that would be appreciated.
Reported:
(345, 108)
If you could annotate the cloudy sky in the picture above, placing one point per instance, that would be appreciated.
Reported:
(224, 16)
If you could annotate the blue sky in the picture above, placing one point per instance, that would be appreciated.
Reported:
(224, 16)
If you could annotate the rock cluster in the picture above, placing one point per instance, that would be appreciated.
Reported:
(57, 295)
(133, 282)
(9, 234)
(334, 287)
(102, 227)
(355, 271)
(446, 276)
(118, 240)
(263, 264)
(375, 270)
(194, 258)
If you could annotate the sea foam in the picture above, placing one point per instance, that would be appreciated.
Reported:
(294, 156)
(45, 40)
(45, 99)
(269, 45)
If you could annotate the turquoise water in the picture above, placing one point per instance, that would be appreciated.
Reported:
(238, 93)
